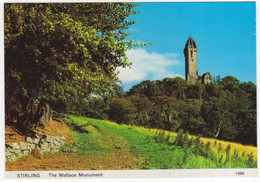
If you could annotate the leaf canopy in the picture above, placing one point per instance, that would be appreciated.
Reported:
(54, 51)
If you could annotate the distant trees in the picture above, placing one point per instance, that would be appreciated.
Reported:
(122, 111)
(225, 109)
(57, 53)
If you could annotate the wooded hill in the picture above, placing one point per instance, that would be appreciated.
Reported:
(224, 109)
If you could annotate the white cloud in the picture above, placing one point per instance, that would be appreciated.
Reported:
(153, 66)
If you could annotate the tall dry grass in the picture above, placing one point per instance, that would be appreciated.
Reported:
(242, 150)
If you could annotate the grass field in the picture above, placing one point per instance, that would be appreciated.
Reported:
(140, 142)
(99, 145)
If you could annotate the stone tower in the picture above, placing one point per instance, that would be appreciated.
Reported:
(190, 53)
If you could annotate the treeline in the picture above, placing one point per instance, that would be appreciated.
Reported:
(224, 109)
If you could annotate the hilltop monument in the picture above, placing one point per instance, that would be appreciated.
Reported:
(191, 68)
(190, 53)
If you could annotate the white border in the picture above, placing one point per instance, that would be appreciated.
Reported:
(193, 175)
(162, 173)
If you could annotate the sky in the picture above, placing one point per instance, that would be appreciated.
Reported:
(225, 34)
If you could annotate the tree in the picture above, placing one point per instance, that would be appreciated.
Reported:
(174, 87)
(244, 108)
(229, 82)
(246, 126)
(218, 114)
(190, 118)
(122, 111)
(180, 85)
(56, 51)
(212, 90)
(165, 113)
(195, 91)
(144, 108)
(250, 89)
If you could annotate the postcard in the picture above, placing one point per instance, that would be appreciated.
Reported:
(130, 90)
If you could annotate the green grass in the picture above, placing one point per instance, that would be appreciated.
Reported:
(99, 138)
(88, 142)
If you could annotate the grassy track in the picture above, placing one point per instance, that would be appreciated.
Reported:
(104, 137)
(99, 145)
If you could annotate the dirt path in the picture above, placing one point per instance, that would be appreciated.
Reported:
(118, 157)
(73, 161)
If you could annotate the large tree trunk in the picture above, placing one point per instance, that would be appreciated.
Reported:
(43, 115)
(46, 117)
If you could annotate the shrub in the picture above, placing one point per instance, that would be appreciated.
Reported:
(207, 148)
(219, 162)
(243, 154)
(186, 141)
(191, 141)
(167, 139)
(250, 160)
(219, 148)
(227, 153)
(161, 137)
(197, 145)
(235, 156)
(179, 138)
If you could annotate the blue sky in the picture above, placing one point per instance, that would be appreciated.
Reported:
(225, 33)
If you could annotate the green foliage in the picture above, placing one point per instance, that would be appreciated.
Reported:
(191, 141)
(235, 155)
(219, 147)
(165, 113)
(228, 153)
(179, 138)
(197, 146)
(62, 53)
(243, 154)
(92, 106)
(224, 109)
(186, 141)
(122, 111)
(230, 83)
(161, 137)
(66, 54)
(77, 124)
(207, 148)
(144, 109)
(250, 160)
